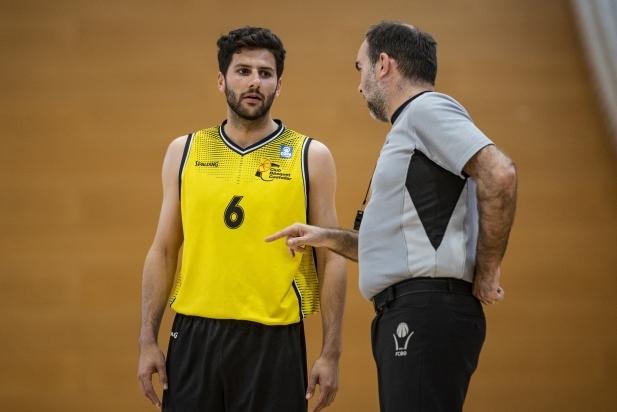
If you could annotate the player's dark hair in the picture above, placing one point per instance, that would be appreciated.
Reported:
(414, 51)
(250, 38)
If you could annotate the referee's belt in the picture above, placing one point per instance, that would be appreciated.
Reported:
(420, 285)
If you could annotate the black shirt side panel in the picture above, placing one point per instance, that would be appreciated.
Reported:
(434, 192)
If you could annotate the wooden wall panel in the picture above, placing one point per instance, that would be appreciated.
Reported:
(91, 94)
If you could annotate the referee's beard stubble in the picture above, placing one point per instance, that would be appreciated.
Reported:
(376, 98)
(235, 103)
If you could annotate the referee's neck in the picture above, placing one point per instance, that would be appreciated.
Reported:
(399, 95)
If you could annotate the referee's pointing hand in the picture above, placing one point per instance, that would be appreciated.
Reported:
(299, 235)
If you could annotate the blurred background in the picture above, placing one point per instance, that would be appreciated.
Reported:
(92, 93)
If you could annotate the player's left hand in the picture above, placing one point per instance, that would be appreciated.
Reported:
(325, 374)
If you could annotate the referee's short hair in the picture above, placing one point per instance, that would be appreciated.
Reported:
(414, 51)
(250, 38)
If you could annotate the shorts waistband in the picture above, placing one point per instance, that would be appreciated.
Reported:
(420, 285)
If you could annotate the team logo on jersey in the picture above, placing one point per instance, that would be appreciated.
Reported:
(268, 171)
(402, 331)
(263, 171)
(286, 151)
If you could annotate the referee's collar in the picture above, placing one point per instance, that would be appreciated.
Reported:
(398, 111)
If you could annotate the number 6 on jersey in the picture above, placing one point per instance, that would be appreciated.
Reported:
(234, 214)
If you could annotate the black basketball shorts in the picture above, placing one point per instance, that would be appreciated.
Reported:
(223, 365)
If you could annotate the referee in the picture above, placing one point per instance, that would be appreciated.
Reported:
(434, 232)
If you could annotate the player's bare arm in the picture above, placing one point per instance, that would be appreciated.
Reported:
(495, 176)
(332, 274)
(158, 275)
(341, 241)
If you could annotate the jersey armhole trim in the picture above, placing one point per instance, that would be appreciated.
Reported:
(185, 156)
(305, 174)
(299, 297)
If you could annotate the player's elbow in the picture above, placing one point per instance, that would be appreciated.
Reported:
(167, 251)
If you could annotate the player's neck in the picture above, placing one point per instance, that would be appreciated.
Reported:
(247, 132)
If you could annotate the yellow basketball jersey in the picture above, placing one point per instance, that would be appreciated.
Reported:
(231, 199)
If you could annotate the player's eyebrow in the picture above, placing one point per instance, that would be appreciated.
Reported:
(248, 66)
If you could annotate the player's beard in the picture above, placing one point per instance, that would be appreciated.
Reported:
(235, 103)
(376, 99)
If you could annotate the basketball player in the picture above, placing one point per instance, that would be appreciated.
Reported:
(237, 342)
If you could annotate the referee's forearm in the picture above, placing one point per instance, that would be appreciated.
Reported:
(496, 209)
(343, 242)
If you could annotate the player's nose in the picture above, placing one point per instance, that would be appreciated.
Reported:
(255, 79)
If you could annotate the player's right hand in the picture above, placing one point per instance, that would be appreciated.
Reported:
(151, 360)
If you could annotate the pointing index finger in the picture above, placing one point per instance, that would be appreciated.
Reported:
(288, 231)
(278, 235)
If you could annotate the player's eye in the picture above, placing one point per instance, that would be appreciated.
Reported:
(266, 74)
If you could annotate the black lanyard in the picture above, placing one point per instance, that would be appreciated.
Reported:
(360, 214)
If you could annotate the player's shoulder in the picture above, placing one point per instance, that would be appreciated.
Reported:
(180, 142)
(174, 151)
(315, 147)
(291, 134)
(177, 145)
(319, 156)
(209, 130)
(301, 137)
(318, 148)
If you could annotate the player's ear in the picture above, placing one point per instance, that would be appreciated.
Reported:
(220, 80)
(279, 83)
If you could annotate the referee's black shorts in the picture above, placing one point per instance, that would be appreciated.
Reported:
(222, 365)
(426, 345)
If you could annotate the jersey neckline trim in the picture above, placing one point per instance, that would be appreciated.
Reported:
(398, 111)
(242, 151)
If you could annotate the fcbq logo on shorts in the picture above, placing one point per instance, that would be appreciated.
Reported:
(286, 152)
(401, 331)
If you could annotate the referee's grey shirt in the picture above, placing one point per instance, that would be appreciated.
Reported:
(422, 218)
